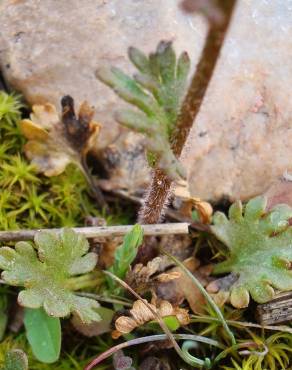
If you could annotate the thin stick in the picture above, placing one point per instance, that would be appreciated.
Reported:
(241, 324)
(100, 231)
(150, 338)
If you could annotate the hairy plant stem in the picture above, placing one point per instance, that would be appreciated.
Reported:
(160, 188)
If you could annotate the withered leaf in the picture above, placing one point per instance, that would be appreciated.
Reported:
(177, 290)
(141, 277)
(141, 314)
(54, 141)
(189, 203)
(219, 289)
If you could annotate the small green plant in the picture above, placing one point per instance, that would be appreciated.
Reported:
(46, 275)
(126, 253)
(275, 356)
(260, 249)
(157, 91)
(10, 106)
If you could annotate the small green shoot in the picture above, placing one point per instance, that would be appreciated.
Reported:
(10, 106)
(126, 253)
(157, 91)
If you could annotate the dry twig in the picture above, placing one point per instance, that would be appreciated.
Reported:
(101, 231)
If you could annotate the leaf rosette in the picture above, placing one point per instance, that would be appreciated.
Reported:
(156, 91)
(45, 274)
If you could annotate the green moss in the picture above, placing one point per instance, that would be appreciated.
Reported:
(31, 200)
(19, 342)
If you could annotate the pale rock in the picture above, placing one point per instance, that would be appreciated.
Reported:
(241, 140)
(49, 49)
(242, 137)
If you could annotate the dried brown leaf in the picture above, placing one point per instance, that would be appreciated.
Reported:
(166, 277)
(219, 289)
(141, 314)
(54, 141)
(189, 203)
(125, 324)
(177, 290)
(141, 278)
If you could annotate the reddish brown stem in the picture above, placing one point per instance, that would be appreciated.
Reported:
(160, 188)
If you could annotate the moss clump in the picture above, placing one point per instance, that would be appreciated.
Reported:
(31, 200)
(28, 199)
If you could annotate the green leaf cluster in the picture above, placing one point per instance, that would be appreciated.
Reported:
(126, 253)
(276, 356)
(260, 249)
(157, 91)
(46, 274)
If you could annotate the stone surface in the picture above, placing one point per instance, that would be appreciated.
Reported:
(49, 49)
(242, 137)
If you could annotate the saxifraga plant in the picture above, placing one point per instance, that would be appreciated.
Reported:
(158, 91)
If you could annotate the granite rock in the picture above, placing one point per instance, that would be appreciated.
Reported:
(241, 140)
(49, 49)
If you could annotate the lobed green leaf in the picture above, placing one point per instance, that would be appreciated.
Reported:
(260, 249)
(45, 273)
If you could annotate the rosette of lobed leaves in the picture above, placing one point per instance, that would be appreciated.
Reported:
(157, 91)
(46, 274)
(260, 249)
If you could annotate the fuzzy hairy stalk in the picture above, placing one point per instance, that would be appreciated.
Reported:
(161, 186)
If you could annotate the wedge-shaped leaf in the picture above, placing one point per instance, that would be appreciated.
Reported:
(260, 249)
(157, 91)
(44, 334)
(45, 274)
(15, 359)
